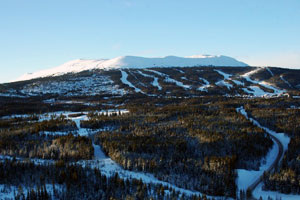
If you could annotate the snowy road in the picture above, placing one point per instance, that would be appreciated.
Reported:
(280, 140)
(253, 186)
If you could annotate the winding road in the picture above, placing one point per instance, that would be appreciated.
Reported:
(273, 166)
(252, 187)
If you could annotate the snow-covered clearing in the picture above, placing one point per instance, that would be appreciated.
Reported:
(126, 82)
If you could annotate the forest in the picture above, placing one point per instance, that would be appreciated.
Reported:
(193, 143)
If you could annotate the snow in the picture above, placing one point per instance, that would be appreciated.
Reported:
(226, 78)
(170, 80)
(98, 153)
(108, 167)
(73, 66)
(79, 65)
(8, 192)
(258, 192)
(178, 83)
(225, 75)
(204, 87)
(237, 82)
(284, 80)
(12, 95)
(76, 86)
(155, 80)
(284, 139)
(126, 82)
(105, 164)
(257, 90)
(269, 70)
(180, 71)
(246, 177)
(77, 119)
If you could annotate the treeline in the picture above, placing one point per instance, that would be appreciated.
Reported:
(75, 182)
(19, 144)
(104, 120)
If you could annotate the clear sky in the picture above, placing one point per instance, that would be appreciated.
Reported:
(36, 34)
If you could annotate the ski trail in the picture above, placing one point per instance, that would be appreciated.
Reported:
(204, 87)
(222, 82)
(180, 71)
(284, 80)
(269, 70)
(126, 82)
(170, 80)
(155, 80)
(261, 83)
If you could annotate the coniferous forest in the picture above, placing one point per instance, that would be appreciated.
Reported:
(196, 144)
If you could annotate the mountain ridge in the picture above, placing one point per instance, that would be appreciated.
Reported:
(80, 65)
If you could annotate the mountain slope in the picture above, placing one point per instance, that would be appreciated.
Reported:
(79, 65)
(164, 82)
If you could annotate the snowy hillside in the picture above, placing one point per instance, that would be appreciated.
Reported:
(134, 62)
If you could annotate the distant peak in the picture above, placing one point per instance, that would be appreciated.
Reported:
(201, 56)
(80, 65)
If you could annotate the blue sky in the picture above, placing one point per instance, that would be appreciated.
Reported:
(37, 34)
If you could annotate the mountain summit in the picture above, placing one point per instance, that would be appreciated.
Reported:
(135, 62)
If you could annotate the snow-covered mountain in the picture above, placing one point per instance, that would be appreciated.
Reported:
(134, 62)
